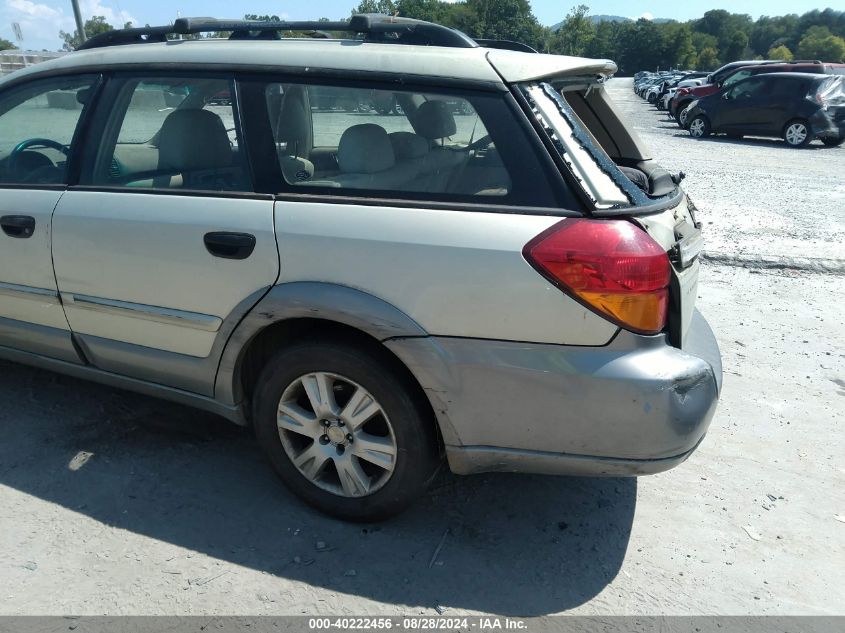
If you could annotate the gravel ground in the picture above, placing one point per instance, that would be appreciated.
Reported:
(111, 503)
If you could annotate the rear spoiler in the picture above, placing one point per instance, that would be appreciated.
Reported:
(518, 67)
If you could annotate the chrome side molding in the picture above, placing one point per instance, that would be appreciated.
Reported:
(168, 316)
(29, 292)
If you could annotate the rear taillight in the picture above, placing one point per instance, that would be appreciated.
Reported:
(611, 266)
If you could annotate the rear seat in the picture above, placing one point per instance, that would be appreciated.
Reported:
(434, 121)
(367, 160)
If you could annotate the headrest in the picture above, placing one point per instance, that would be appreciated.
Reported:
(294, 121)
(434, 120)
(193, 139)
(408, 146)
(365, 149)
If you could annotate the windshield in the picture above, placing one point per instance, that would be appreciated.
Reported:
(737, 76)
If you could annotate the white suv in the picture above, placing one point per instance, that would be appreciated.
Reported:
(378, 251)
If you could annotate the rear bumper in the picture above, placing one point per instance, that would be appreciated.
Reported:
(633, 407)
(824, 126)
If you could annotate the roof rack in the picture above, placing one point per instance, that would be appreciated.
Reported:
(375, 28)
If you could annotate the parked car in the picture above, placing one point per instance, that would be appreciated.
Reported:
(797, 107)
(684, 98)
(490, 288)
(667, 97)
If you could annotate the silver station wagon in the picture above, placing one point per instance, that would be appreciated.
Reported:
(383, 251)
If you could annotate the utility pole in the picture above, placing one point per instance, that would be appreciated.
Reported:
(80, 26)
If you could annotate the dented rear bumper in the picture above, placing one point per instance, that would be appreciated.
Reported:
(634, 406)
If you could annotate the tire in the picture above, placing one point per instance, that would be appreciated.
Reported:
(832, 141)
(401, 455)
(652, 97)
(699, 127)
(797, 133)
(681, 116)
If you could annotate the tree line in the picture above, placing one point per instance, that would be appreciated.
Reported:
(705, 43)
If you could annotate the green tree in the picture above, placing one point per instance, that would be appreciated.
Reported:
(723, 25)
(262, 18)
(575, 32)
(94, 26)
(499, 20)
(780, 52)
(428, 10)
(388, 7)
(639, 46)
(603, 43)
(708, 59)
(6, 45)
(770, 32)
(819, 43)
(737, 43)
(680, 51)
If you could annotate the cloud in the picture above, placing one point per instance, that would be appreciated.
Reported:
(644, 16)
(41, 23)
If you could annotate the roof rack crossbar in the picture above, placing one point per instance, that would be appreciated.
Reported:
(375, 28)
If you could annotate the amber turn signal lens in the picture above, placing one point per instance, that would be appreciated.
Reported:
(612, 266)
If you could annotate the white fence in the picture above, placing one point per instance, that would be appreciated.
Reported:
(11, 61)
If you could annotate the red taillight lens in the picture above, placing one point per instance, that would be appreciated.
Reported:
(611, 266)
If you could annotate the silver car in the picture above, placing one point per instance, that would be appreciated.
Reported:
(491, 271)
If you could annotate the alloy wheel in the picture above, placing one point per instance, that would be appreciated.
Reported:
(697, 127)
(796, 134)
(336, 434)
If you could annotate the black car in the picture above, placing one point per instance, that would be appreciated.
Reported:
(797, 107)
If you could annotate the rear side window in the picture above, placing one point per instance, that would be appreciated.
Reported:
(172, 133)
(417, 144)
(37, 124)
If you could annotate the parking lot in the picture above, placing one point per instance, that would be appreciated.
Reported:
(113, 503)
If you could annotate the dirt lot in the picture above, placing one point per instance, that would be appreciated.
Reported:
(111, 503)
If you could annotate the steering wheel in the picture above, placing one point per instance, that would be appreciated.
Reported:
(13, 163)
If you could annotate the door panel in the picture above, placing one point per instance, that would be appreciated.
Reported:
(27, 284)
(134, 268)
(38, 122)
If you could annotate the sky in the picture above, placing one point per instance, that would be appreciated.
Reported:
(41, 20)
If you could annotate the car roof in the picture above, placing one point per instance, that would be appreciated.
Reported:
(774, 76)
(470, 64)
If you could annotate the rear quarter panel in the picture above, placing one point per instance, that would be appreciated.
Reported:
(456, 273)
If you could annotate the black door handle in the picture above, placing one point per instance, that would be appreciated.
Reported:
(230, 245)
(22, 226)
